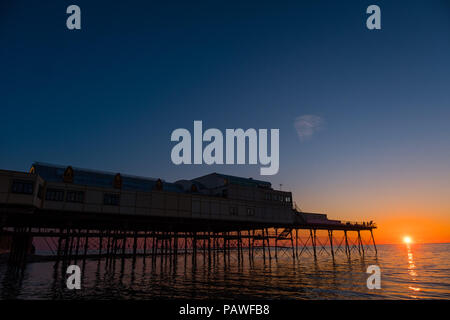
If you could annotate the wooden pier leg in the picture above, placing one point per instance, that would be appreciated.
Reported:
(224, 248)
(85, 248)
(204, 247)
(166, 247)
(165, 244)
(253, 244)
(209, 246)
(268, 244)
(162, 245)
(168, 244)
(153, 241)
(373, 240)
(347, 249)
(170, 247)
(100, 243)
(238, 244)
(66, 245)
(19, 247)
(111, 247)
(135, 244)
(242, 245)
(113, 244)
(124, 245)
(119, 235)
(194, 252)
(240, 251)
(185, 248)
(108, 244)
(145, 244)
(161, 250)
(78, 245)
(360, 243)
(224, 243)
(86, 244)
(296, 242)
(175, 257)
(330, 236)
(154, 247)
(72, 238)
(313, 241)
(229, 246)
(214, 247)
(276, 243)
(357, 240)
(58, 252)
(264, 244)
(292, 246)
(241, 241)
(249, 245)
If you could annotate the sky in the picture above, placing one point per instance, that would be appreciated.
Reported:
(363, 114)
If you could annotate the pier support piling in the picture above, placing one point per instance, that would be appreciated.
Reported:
(373, 240)
(330, 236)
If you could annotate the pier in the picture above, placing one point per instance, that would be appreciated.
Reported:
(104, 215)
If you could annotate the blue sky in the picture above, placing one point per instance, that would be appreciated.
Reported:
(109, 95)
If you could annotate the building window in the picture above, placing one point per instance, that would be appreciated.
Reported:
(24, 187)
(233, 211)
(225, 193)
(288, 199)
(268, 196)
(250, 212)
(54, 195)
(111, 199)
(75, 196)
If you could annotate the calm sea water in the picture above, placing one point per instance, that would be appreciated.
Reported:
(420, 271)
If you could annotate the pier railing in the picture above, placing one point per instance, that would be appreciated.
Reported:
(367, 224)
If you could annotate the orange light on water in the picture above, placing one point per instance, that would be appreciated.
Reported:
(407, 240)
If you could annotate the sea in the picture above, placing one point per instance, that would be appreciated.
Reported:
(414, 271)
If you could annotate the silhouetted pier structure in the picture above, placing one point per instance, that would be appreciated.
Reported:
(83, 214)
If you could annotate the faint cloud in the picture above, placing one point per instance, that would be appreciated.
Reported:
(307, 125)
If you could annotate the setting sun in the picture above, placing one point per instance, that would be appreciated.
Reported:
(407, 240)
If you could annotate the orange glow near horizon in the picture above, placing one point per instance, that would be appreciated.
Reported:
(403, 200)
(420, 215)
(424, 230)
(408, 201)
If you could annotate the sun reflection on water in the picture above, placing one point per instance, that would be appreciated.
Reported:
(412, 269)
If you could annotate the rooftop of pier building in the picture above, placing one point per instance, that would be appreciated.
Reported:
(102, 179)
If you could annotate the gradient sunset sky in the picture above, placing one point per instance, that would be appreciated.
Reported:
(364, 116)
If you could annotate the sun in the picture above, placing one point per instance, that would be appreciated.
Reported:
(407, 240)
